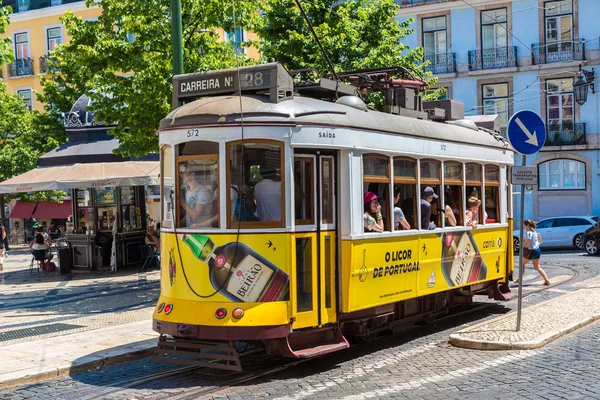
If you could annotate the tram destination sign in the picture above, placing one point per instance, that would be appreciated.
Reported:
(266, 77)
(524, 176)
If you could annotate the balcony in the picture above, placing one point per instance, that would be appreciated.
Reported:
(28, 5)
(443, 63)
(566, 134)
(21, 67)
(558, 51)
(412, 3)
(503, 57)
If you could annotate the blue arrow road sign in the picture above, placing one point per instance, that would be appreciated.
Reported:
(526, 132)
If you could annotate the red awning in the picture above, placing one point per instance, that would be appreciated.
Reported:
(22, 210)
(46, 209)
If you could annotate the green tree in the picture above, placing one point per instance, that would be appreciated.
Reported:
(6, 54)
(123, 63)
(356, 34)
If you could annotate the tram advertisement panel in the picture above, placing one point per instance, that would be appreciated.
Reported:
(217, 268)
(392, 269)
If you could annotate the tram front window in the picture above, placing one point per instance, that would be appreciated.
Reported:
(199, 197)
(255, 176)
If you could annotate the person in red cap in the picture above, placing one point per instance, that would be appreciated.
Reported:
(373, 220)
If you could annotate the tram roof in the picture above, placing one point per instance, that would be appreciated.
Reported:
(258, 109)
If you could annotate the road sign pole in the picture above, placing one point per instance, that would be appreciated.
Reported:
(521, 269)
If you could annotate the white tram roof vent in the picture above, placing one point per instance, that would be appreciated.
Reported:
(352, 101)
(465, 123)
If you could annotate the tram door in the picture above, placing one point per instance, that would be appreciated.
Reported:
(315, 239)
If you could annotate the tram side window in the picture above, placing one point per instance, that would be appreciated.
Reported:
(303, 190)
(474, 188)
(430, 191)
(376, 180)
(167, 185)
(405, 193)
(492, 187)
(453, 191)
(198, 176)
(256, 194)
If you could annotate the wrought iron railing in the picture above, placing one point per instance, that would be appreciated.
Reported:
(20, 67)
(443, 63)
(502, 57)
(566, 133)
(410, 3)
(545, 53)
(45, 65)
(28, 5)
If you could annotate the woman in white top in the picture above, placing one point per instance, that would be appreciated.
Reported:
(531, 248)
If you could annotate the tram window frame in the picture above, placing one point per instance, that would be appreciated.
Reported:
(248, 180)
(435, 182)
(308, 202)
(475, 184)
(382, 182)
(450, 182)
(493, 184)
(406, 183)
(167, 186)
(328, 213)
(185, 158)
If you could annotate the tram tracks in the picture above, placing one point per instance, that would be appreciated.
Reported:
(222, 380)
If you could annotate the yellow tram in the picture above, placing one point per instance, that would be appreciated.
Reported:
(263, 232)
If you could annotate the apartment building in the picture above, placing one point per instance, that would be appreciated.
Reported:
(499, 57)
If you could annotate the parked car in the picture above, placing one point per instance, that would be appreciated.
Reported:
(567, 231)
(592, 239)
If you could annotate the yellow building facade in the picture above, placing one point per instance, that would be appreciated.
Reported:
(35, 29)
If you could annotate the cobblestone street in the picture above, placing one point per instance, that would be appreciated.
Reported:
(419, 364)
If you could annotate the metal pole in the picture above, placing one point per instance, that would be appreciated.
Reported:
(3, 222)
(521, 269)
(176, 34)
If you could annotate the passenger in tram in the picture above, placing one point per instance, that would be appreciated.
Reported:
(427, 198)
(197, 199)
(373, 220)
(400, 221)
(472, 215)
(268, 195)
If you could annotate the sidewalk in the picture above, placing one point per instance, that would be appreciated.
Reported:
(52, 324)
(540, 323)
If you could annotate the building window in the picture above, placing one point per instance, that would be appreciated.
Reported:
(26, 96)
(434, 40)
(558, 26)
(562, 175)
(21, 45)
(53, 38)
(495, 101)
(493, 29)
(237, 39)
(559, 106)
(431, 91)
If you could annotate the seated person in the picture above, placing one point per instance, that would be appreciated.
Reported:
(450, 217)
(268, 195)
(152, 238)
(46, 237)
(427, 198)
(52, 231)
(472, 214)
(197, 202)
(373, 221)
(400, 221)
(39, 244)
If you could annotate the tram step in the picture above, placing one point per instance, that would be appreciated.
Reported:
(500, 291)
(210, 354)
(311, 343)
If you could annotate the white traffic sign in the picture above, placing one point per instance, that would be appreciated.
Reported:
(526, 132)
(524, 176)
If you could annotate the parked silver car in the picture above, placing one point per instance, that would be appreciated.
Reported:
(567, 231)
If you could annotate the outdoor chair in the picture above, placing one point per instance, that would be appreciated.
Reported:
(150, 255)
(39, 258)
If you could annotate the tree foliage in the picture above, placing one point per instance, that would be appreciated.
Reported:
(24, 137)
(123, 62)
(356, 34)
(6, 53)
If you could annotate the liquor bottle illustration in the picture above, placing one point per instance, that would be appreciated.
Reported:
(461, 260)
(238, 272)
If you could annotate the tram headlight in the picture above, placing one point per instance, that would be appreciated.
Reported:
(237, 313)
(220, 313)
(168, 309)
(160, 307)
